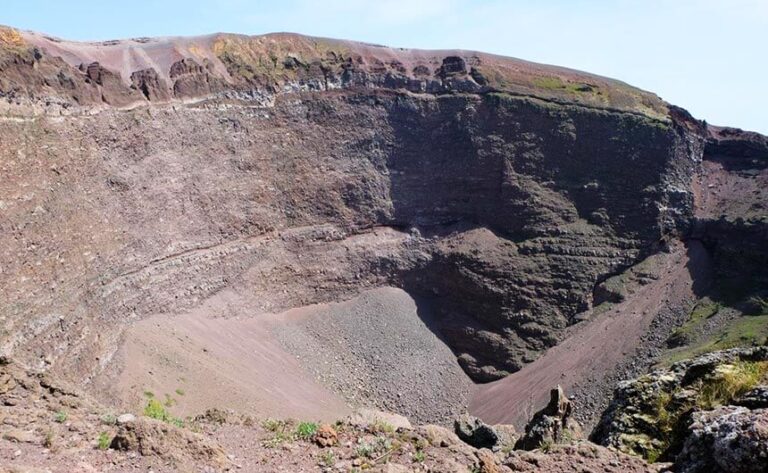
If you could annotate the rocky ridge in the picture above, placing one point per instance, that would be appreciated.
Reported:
(676, 414)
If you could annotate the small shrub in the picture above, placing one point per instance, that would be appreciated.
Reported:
(277, 439)
(383, 444)
(364, 450)
(61, 417)
(50, 437)
(149, 394)
(180, 392)
(108, 419)
(104, 441)
(273, 425)
(155, 410)
(169, 401)
(419, 456)
(382, 427)
(305, 430)
(546, 446)
(327, 458)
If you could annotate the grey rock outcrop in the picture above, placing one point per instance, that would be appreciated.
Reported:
(475, 432)
(728, 439)
(754, 399)
(551, 425)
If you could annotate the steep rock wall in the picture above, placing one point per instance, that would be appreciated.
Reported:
(513, 197)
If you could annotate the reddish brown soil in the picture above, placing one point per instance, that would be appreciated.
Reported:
(221, 354)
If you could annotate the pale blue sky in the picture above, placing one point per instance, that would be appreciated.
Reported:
(708, 56)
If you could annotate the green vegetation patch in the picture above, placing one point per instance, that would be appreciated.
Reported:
(729, 382)
(156, 410)
(667, 411)
(306, 430)
(555, 83)
(104, 441)
(704, 309)
(744, 331)
(61, 417)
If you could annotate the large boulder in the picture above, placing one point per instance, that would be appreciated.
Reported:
(475, 432)
(729, 439)
(552, 425)
(576, 457)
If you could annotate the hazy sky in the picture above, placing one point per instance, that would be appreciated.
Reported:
(708, 56)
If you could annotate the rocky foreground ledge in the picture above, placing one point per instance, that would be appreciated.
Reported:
(704, 415)
(46, 427)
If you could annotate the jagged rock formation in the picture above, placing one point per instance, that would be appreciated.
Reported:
(671, 410)
(551, 425)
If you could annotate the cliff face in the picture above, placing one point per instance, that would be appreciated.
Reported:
(143, 185)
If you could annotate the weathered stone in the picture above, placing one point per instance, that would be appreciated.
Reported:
(439, 436)
(150, 85)
(475, 432)
(150, 437)
(487, 461)
(20, 436)
(125, 419)
(756, 398)
(551, 425)
(369, 417)
(728, 439)
(326, 436)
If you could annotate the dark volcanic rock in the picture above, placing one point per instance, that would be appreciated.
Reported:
(113, 91)
(452, 65)
(191, 79)
(475, 432)
(551, 425)
(754, 399)
(149, 83)
(738, 144)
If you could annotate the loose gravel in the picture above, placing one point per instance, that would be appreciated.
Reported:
(377, 351)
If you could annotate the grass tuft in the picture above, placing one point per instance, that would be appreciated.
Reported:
(104, 441)
(731, 381)
(155, 410)
(61, 417)
(306, 430)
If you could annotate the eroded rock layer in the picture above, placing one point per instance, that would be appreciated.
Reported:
(516, 187)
